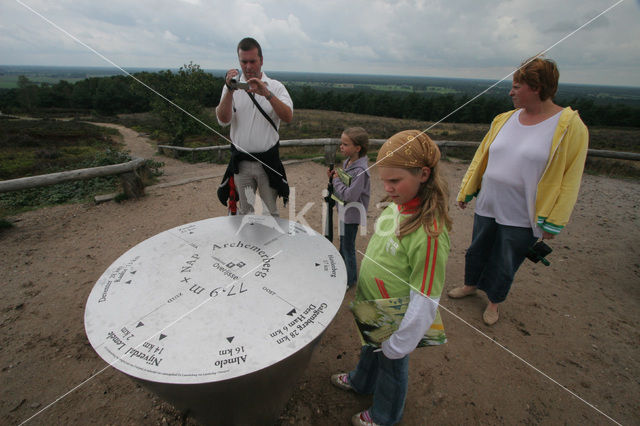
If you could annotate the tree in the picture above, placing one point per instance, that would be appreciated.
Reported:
(55, 96)
(83, 93)
(190, 89)
(27, 93)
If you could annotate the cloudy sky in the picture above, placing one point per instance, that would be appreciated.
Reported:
(439, 38)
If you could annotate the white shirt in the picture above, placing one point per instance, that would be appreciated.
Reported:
(250, 130)
(517, 158)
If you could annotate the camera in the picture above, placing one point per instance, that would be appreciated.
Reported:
(538, 251)
(235, 84)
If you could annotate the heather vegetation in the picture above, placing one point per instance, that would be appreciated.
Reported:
(36, 147)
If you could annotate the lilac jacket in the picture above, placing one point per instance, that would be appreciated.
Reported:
(355, 196)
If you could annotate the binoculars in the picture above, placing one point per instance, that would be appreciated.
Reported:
(538, 251)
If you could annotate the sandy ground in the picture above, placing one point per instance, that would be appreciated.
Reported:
(565, 350)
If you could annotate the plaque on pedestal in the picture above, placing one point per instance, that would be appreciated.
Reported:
(219, 316)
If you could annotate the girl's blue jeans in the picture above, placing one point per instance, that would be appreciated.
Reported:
(348, 233)
(387, 379)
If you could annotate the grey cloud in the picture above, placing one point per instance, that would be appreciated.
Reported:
(372, 36)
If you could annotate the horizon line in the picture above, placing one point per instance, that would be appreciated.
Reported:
(118, 72)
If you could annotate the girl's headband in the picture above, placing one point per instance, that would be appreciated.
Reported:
(408, 149)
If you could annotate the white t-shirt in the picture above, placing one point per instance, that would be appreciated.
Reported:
(517, 158)
(250, 130)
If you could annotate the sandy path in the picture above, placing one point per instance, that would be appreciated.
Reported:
(174, 171)
(577, 320)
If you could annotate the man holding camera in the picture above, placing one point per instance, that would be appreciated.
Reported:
(254, 105)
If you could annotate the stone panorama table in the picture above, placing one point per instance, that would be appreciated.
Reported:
(219, 317)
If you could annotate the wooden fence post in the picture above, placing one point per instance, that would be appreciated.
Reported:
(443, 152)
(330, 154)
(132, 184)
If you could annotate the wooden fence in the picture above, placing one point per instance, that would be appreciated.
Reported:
(131, 171)
(130, 174)
(444, 144)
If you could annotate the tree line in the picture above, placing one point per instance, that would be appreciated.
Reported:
(194, 90)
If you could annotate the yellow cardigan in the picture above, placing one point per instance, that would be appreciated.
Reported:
(558, 187)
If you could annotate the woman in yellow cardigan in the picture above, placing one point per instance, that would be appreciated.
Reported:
(526, 174)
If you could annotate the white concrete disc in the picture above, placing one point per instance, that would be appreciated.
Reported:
(215, 299)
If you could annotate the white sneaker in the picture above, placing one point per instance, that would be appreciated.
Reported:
(362, 419)
(341, 380)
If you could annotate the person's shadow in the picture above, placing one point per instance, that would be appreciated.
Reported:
(257, 217)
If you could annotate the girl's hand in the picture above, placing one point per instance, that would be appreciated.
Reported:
(462, 205)
(547, 236)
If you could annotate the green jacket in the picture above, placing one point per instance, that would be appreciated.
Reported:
(390, 269)
(558, 187)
